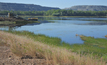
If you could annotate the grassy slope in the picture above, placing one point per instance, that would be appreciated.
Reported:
(27, 44)
(96, 47)
(91, 45)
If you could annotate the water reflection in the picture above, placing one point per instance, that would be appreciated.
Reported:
(66, 28)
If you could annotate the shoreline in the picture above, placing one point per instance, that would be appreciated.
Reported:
(90, 45)
(26, 46)
(13, 21)
(65, 16)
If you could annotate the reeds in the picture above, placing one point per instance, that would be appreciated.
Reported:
(27, 47)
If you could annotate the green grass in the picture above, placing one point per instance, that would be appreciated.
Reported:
(15, 23)
(39, 37)
(26, 22)
(24, 45)
(6, 22)
(54, 41)
(94, 46)
(60, 16)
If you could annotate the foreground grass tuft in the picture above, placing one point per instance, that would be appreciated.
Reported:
(24, 46)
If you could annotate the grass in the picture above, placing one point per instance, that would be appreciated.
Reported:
(39, 37)
(6, 22)
(61, 16)
(26, 22)
(15, 23)
(24, 44)
(94, 46)
(54, 41)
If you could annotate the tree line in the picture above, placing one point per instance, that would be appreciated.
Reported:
(57, 13)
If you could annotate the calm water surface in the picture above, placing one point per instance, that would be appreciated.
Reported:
(66, 28)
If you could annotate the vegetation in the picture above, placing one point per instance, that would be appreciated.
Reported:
(87, 8)
(16, 23)
(57, 13)
(95, 47)
(41, 38)
(6, 22)
(23, 7)
(24, 44)
(26, 22)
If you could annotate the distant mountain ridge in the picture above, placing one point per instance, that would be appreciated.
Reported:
(23, 7)
(88, 8)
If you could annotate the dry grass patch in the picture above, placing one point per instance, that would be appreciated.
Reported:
(27, 48)
(106, 36)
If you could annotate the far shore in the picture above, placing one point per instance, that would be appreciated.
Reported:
(64, 16)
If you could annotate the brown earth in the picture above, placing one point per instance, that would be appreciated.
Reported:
(8, 58)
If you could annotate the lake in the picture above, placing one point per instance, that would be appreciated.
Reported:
(66, 28)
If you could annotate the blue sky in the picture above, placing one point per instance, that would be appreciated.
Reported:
(59, 3)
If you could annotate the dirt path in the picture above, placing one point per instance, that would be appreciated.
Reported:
(7, 58)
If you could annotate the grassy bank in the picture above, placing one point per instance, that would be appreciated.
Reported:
(16, 23)
(26, 22)
(35, 46)
(23, 16)
(54, 41)
(6, 22)
(96, 47)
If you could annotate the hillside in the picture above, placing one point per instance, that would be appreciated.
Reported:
(23, 7)
(87, 8)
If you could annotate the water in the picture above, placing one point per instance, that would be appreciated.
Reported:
(66, 28)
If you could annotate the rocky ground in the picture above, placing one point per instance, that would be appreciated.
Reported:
(8, 58)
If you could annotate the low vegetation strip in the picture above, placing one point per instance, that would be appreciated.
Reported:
(94, 46)
(24, 46)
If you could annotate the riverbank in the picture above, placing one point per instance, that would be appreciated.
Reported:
(94, 46)
(13, 21)
(65, 16)
(26, 44)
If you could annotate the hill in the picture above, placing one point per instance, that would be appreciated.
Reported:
(87, 8)
(23, 7)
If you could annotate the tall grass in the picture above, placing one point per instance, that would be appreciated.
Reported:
(39, 37)
(54, 41)
(23, 46)
(96, 47)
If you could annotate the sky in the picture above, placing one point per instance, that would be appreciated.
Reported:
(59, 3)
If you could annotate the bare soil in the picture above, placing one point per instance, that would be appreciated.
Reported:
(8, 58)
